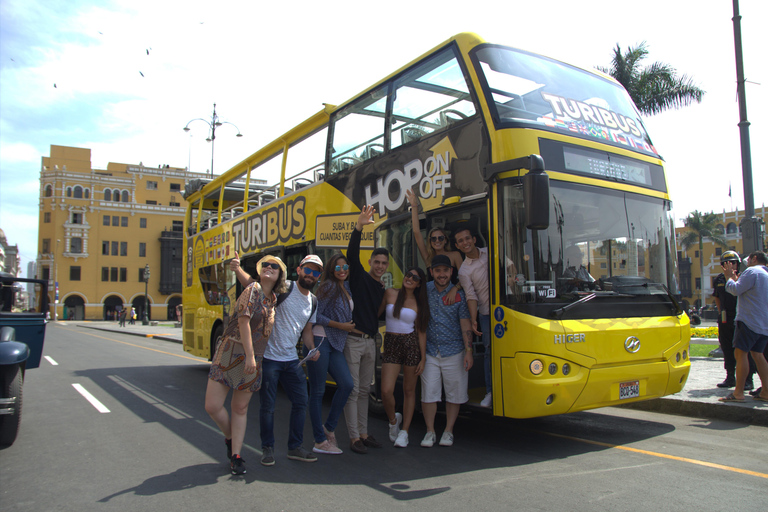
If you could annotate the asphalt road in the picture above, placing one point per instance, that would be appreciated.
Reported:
(156, 448)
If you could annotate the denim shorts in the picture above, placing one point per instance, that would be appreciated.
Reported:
(748, 340)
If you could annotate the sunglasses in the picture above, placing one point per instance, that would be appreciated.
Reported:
(314, 273)
(339, 268)
(437, 238)
(267, 264)
(413, 276)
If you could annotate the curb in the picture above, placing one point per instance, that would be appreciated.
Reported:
(726, 412)
(164, 337)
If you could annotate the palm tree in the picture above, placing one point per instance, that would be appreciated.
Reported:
(700, 226)
(655, 88)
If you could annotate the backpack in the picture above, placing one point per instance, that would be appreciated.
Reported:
(283, 296)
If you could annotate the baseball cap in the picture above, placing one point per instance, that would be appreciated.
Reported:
(312, 258)
(441, 260)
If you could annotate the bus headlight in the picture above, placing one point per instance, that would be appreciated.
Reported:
(566, 368)
(552, 368)
(536, 367)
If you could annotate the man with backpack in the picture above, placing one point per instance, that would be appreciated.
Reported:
(295, 313)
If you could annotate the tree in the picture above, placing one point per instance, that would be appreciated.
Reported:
(701, 226)
(655, 88)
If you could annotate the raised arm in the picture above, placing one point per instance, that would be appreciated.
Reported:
(415, 221)
(241, 274)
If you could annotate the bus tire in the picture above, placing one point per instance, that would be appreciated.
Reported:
(12, 378)
(218, 332)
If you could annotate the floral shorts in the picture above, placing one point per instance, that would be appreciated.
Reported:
(401, 349)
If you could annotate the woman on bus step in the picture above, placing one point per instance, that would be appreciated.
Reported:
(439, 243)
(334, 321)
(405, 346)
(237, 362)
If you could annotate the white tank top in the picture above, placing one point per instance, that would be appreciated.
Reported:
(402, 325)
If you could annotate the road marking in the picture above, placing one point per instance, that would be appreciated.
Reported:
(664, 456)
(98, 405)
(50, 360)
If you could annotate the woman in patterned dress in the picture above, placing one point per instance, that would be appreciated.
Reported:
(237, 362)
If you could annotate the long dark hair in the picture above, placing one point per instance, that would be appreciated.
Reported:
(331, 287)
(422, 302)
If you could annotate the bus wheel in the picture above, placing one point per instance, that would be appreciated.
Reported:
(217, 334)
(10, 403)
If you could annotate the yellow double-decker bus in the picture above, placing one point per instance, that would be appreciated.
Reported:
(548, 164)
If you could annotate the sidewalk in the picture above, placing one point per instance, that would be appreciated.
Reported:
(699, 397)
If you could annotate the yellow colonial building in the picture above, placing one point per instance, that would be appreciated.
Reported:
(98, 231)
(691, 279)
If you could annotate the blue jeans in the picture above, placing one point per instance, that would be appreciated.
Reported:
(295, 385)
(331, 361)
(485, 328)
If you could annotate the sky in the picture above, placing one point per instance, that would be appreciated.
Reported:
(124, 77)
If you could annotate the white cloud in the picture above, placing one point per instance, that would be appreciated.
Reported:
(19, 152)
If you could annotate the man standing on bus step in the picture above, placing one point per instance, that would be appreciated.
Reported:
(449, 353)
(474, 278)
(360, 348)
(751, 336)
(294, 317)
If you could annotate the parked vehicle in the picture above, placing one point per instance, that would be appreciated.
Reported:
(22, 333)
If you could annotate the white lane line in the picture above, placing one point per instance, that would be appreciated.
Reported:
(98, 405)
(50, 360)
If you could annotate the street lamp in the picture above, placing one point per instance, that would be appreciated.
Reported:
(212, 125)
(56, 283)
(145, 319)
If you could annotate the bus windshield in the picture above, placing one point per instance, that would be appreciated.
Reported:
(526, 89)
(616, 245)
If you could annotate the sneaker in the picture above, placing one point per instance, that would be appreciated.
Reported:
(446, 439)
(358, 447)
(729, 382)
(301, 454)
(331, 437)
(327, 448)
(268, 456)
(402, 439)
(486, 402)
(237, 464)
(371, 442)
(228, 442)
(429, 440)
(395, 429)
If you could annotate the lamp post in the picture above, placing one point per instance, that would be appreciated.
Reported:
(145, 319)
(214, 123)
(56, 283)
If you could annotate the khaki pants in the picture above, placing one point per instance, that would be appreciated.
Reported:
(360, 352)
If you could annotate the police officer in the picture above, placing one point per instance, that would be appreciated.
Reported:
(726, 309)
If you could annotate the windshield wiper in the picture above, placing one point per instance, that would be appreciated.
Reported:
(558, 313)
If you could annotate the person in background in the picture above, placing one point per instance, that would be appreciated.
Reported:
(726, 317)
(751, 336)
(237, 363)
(334, 322)
(474, 278)
(405, 347)
(360, 350)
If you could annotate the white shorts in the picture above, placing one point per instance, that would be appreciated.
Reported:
(445, 372)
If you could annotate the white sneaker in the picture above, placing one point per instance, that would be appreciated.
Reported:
(447, 439)
(429, 440)
(402, 439)
(486, 402)
(394, 430)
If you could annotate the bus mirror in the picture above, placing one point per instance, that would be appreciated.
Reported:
(536, 193)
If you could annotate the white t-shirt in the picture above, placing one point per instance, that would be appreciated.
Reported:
(290, 318)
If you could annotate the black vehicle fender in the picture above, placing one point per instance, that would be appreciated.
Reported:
(11, 351)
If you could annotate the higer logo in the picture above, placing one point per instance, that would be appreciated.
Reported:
(432, 176)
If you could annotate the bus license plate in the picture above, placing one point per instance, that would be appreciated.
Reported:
(629, 389)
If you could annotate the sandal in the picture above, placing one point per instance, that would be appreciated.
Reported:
(760, 398)
(731, 398)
